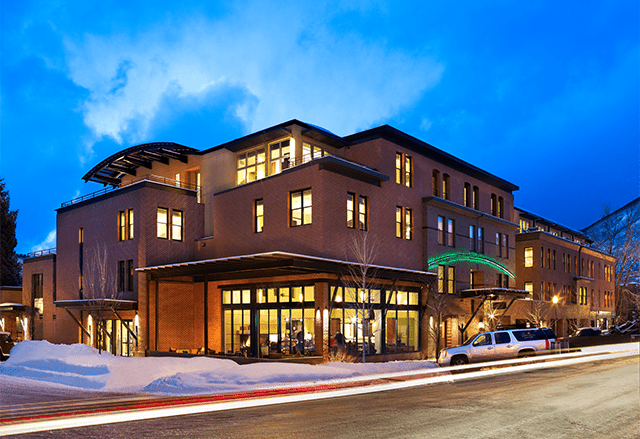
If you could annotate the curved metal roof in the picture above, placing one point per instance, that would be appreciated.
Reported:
(127, 161)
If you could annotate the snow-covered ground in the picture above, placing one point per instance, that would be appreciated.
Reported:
(82, 367)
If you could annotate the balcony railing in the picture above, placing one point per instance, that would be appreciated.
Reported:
(148, 177)
(38, 253)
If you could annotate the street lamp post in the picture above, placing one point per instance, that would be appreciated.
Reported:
(555, 305)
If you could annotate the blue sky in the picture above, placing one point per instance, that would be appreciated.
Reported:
(543, 94)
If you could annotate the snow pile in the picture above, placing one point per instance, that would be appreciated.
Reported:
(81, 366)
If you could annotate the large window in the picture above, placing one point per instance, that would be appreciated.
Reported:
(441, 230)
(528, 257)
(300, 202)
(467, 195)
(279, 156)
(163, 223)
(125, 224)
(404, 223)
(258, 213)
(251, 166)
(37, 292)
(176, 225)
(356, 211)
(451, 233)
(446, 186)
(166, 229)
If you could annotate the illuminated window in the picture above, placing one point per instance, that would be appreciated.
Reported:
(37, 293)
(446, 182)
(501, 207)
(251, 166)
(176, 225)
(451, 280)
(259, 216)
(441, 278)
(163, 223)
(440, 230)
(351, 210)
(404, 169)
(356, 211)
(122, 226)
(467, 195)
(404, 223)
(542, 257)
(528, 286)
(435, 182)
(362, 213)
(476, 198)
(300, 202)
(130, 223)
(524, 225)
(279, 154)
(494, 205)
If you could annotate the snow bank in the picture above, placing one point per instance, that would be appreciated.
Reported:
(81, 366)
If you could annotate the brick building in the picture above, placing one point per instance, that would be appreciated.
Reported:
(257, 246)
(555, 261)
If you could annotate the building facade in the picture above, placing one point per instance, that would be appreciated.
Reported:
(571, 284)
(288, 241)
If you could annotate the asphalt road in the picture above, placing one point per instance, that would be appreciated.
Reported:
(589, 400)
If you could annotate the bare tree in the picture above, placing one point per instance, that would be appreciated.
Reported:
(618, 234)
(537, 313)
(361, 288)
(438, 306)
(99, 288)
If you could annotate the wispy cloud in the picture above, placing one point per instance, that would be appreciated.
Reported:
(49, 242)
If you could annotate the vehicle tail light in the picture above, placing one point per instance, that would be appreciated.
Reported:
(546, 343)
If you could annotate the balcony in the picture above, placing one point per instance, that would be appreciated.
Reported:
(148, 177)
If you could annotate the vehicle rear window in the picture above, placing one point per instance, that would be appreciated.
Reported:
(529, 334)
(502, 337)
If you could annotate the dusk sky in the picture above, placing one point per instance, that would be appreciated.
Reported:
(543, 94)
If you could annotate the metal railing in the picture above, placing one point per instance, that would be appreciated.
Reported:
(147, 177)
(38, 253)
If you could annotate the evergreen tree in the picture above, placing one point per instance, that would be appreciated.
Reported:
(10, 268)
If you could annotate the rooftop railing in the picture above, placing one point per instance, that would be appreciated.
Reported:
(44, 252)
(148, 177)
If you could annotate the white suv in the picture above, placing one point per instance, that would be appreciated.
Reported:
(498, 345)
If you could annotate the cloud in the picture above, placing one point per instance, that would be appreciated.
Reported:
(285, 66)
(49, 242)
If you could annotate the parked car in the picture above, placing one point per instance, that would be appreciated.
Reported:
(498, 345)
(581, 337)
(6, 343)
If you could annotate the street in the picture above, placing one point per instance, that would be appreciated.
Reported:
(585, 400)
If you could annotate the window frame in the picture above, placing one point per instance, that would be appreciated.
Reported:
(258, 215)
(162, 225)
(180, 227)
(303, 209)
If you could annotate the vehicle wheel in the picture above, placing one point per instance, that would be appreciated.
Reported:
(459, 360)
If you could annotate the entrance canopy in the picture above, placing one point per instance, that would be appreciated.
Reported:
(96, 304)
(275, 264)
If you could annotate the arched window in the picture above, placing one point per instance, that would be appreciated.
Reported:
(467, 195)
(446, 189)
(436, 183)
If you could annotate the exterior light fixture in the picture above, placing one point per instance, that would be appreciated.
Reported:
(480, 325)
(555, 300)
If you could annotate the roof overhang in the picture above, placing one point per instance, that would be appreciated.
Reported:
(12, 307)
(274, 264)
(96, 304)
(127, 162)
(493, 293)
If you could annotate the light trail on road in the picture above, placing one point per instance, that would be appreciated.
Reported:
(324, 390)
